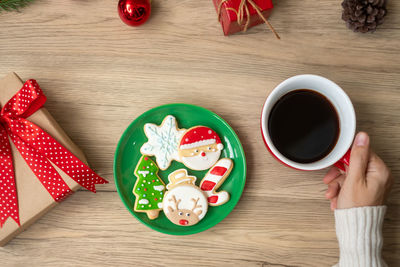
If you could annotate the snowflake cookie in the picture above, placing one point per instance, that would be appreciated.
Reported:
(163, 141)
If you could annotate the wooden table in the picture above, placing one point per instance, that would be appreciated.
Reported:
(99, 75)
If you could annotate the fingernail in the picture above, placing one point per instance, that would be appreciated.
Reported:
(327, 195)
(328, 192)
(361, 139)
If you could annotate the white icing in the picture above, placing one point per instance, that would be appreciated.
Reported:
(159, 187)
(180, 176)
(198, 143)
(201, 163)
(159, 204)
(144, 201)
(163, 141)
(224, 162)
(144, 173)
(212, 178)
(185, 193)
(223, 197)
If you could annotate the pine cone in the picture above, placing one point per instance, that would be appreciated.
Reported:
(363, 15)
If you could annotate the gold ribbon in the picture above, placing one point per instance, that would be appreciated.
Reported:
(244, 9)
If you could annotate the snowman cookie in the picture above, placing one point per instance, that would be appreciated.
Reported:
(200, 148)
(184, 203)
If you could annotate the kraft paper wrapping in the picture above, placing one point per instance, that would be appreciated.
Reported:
(33, 199)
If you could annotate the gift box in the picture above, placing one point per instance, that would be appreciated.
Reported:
(239, 15)
(28, 183)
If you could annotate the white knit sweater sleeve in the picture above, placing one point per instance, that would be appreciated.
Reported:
(359, 232)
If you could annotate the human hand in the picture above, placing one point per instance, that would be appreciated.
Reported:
(366, 182)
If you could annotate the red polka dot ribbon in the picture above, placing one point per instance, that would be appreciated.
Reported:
(38, 148)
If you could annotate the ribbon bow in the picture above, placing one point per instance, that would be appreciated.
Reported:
(243, 10)
(37, 148)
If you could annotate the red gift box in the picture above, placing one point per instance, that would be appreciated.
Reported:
(39, 164)
(238, 15)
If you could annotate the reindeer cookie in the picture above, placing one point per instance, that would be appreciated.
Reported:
(184, 203)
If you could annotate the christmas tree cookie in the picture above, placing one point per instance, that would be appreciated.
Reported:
(149, 188)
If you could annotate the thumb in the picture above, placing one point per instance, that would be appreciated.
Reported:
(359, 157)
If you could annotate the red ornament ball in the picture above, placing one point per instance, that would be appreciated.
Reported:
(134, 12)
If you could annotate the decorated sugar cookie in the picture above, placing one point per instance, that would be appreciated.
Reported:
(214, 179)
(200, 148)
(184, 203)
(149, 188)
(162, 141)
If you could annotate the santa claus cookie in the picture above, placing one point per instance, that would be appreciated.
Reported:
(184, 203)
(162, 141)
(200, 148)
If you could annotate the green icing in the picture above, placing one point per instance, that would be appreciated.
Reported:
(149, 188)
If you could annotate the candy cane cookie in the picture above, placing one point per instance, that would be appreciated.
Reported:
(214, 179)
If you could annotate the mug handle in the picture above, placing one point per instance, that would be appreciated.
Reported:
(345, 160)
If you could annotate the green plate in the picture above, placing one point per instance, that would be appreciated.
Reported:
(128, 154)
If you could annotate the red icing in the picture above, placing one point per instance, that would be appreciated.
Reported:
(156, 199)
(203, 154)
(153, 181)
(199, 133)
(145, 189)
(218, 170)
(183, 222)
(146, 158)
(207, 185)
(143, 167)
(213, 199)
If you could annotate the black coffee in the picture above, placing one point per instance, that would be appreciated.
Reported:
(303, 126)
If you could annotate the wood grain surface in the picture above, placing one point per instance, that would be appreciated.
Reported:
(99, 75)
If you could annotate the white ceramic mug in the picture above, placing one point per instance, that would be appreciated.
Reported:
(344, 108)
